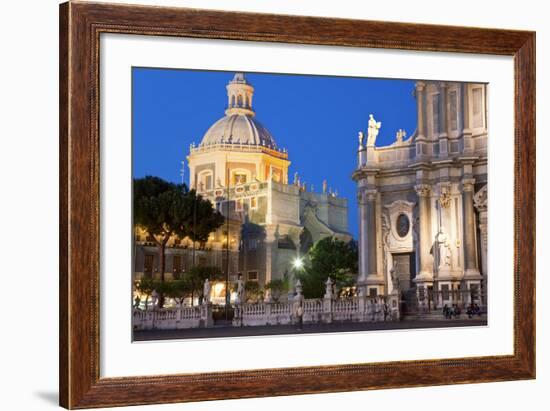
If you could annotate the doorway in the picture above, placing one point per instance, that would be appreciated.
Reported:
(404, 265)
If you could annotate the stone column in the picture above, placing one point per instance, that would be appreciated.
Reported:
(420, 108)
(480, 202)
(270, 251)
(470, 260)
(425, 239)
(466, 130)
(444, 114)
(367, 235)
(420, 140)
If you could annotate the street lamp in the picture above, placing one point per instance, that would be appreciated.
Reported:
(298, 263)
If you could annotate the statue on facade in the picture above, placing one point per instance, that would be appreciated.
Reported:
(374, 128)
(361, 137)
(324, 186)
(444, 248)
(400, 135)
(445, 197)
(296, 179)
(206, 292)
(394, 279)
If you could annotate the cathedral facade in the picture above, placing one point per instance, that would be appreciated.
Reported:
(270, 219)
(423, 201)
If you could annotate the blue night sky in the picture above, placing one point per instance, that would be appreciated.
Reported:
(315, 117)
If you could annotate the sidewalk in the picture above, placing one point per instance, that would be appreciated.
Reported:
(225, 331)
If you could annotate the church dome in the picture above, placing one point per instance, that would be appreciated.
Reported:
(238, 129)
(239, 126)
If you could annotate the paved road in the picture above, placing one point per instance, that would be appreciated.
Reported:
(225, 331)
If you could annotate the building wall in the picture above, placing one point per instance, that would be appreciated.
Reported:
(447, 155)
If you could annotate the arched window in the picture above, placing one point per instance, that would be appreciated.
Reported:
(233, 101)
(240, 101)
(247, 101)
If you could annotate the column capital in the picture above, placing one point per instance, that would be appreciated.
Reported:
(420, 85)
(468, 184)
(480, 199)
(367, 195)
(423, 190)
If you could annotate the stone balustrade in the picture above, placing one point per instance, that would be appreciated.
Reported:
(173, 318)
(322, 310)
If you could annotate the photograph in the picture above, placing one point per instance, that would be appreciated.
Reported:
(271, 203)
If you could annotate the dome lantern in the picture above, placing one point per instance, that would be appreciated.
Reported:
(239, 125)
(239, 96)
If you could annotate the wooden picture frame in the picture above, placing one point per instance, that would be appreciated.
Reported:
(80, 27)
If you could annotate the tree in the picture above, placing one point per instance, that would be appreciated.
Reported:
(332, 258)
(165, 209)
(196, 277)
(253, 291)
(146, 286)
(278, 287)
(178, 290)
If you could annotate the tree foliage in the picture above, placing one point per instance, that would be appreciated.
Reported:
(189, 286)
(165, 209)
(197, 276)
(278, 287)
(332, 258)
(253, 291)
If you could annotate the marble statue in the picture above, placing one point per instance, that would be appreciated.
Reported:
(361, 136)
(444, 248)
(154, 299)
(324, 186)
(240, 289)
(206, 292)
(400, 135)
(394, 279)
(374, 128)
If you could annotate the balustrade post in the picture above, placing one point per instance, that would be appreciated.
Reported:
(328, 303)
(206, 315)
(361, 305)
(268, 314)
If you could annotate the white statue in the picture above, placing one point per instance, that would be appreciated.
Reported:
(394, 279)
(400, 135)
(374, 128)
(361, 136)
(240, 289)
(296, 179)
(206, 292)
(444, 248)
(324, 186)
(154, 299)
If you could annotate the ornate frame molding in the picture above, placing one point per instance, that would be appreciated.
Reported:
(80, 27)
